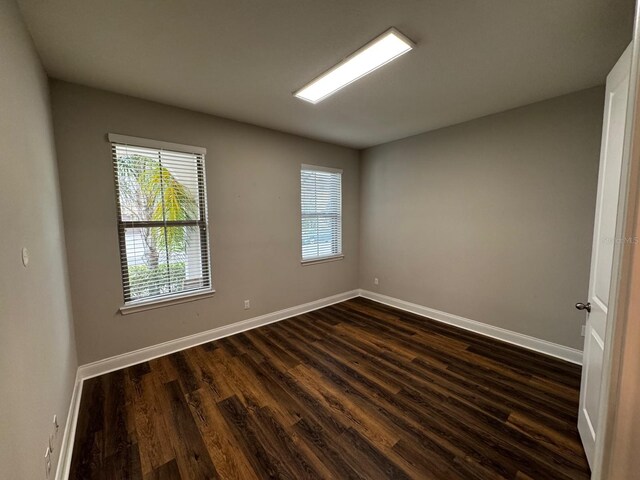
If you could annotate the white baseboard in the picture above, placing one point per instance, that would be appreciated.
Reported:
(148, 353)
(531, 343)
(66, 447)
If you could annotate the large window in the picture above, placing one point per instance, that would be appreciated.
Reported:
(321, 202)
(162, 219)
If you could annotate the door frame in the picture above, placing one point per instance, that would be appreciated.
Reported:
(617, 318)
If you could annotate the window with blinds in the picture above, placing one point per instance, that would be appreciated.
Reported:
(162, 219)
(321, 204)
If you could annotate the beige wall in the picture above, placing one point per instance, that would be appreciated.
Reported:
(253, 193)
(624, 461)
(37, 350)
(490, 219)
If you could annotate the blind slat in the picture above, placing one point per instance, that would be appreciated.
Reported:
(162, 220)
(321, 210)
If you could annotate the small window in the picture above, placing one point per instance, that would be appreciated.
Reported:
(162, 219)
(321, 203)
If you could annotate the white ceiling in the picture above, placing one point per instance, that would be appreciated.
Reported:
(241, 59)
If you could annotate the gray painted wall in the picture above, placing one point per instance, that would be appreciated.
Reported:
(37, 347)
(253, 177)
(490, 219)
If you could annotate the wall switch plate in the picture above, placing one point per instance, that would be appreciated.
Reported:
(247, 304)
(582, 330)
(376, 281)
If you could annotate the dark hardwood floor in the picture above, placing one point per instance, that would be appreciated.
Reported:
(354, 390)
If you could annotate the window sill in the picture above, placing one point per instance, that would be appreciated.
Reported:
(165, 302)
(332, 258)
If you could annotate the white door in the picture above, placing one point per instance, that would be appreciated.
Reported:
(615, 111)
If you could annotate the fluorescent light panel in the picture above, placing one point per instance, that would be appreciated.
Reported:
(388, 46)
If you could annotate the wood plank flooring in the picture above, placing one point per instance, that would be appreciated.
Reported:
(357, 390)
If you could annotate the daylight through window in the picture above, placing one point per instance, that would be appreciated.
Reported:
(321, 203)
(162, 218)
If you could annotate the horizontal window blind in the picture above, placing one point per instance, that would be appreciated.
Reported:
(321, 204)
(162, 220)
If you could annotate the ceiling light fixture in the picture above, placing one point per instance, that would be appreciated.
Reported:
(379, 51)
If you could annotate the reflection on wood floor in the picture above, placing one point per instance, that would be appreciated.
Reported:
(354, 390)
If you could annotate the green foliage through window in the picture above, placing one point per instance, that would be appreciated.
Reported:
(162, 221)
(161, 280)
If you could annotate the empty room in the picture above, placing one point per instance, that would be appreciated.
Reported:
(337, 239)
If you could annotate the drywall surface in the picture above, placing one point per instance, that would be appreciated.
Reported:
(253, 187)
(491, 219)
(37, 347)
(624, 443)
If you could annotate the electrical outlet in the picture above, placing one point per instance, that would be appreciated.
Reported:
(376, 281)
(582, 330)
(247, 304)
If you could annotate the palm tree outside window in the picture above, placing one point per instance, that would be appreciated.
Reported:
(162, 219)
